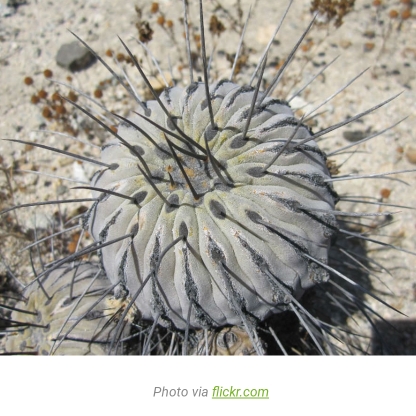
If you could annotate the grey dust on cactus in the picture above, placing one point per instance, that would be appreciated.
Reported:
(214, 214)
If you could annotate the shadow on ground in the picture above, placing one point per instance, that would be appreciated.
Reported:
(395, 337)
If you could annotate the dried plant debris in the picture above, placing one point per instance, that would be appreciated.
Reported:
(332, 10)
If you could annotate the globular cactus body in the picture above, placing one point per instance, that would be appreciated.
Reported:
(243, 241)
(47, 321)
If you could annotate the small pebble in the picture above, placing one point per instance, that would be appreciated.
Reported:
(411, 155)
(345, 44)
(61, 190)
(369, 46)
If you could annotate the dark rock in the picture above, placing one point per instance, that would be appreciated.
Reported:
(74, 56)
(354, 135)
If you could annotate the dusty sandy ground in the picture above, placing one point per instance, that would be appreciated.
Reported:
(369, 37)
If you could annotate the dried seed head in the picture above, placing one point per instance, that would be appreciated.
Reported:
(48, 73)
(28, 80)
(42, 94)
(98, 93)
(393, 14)
(154, 7)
